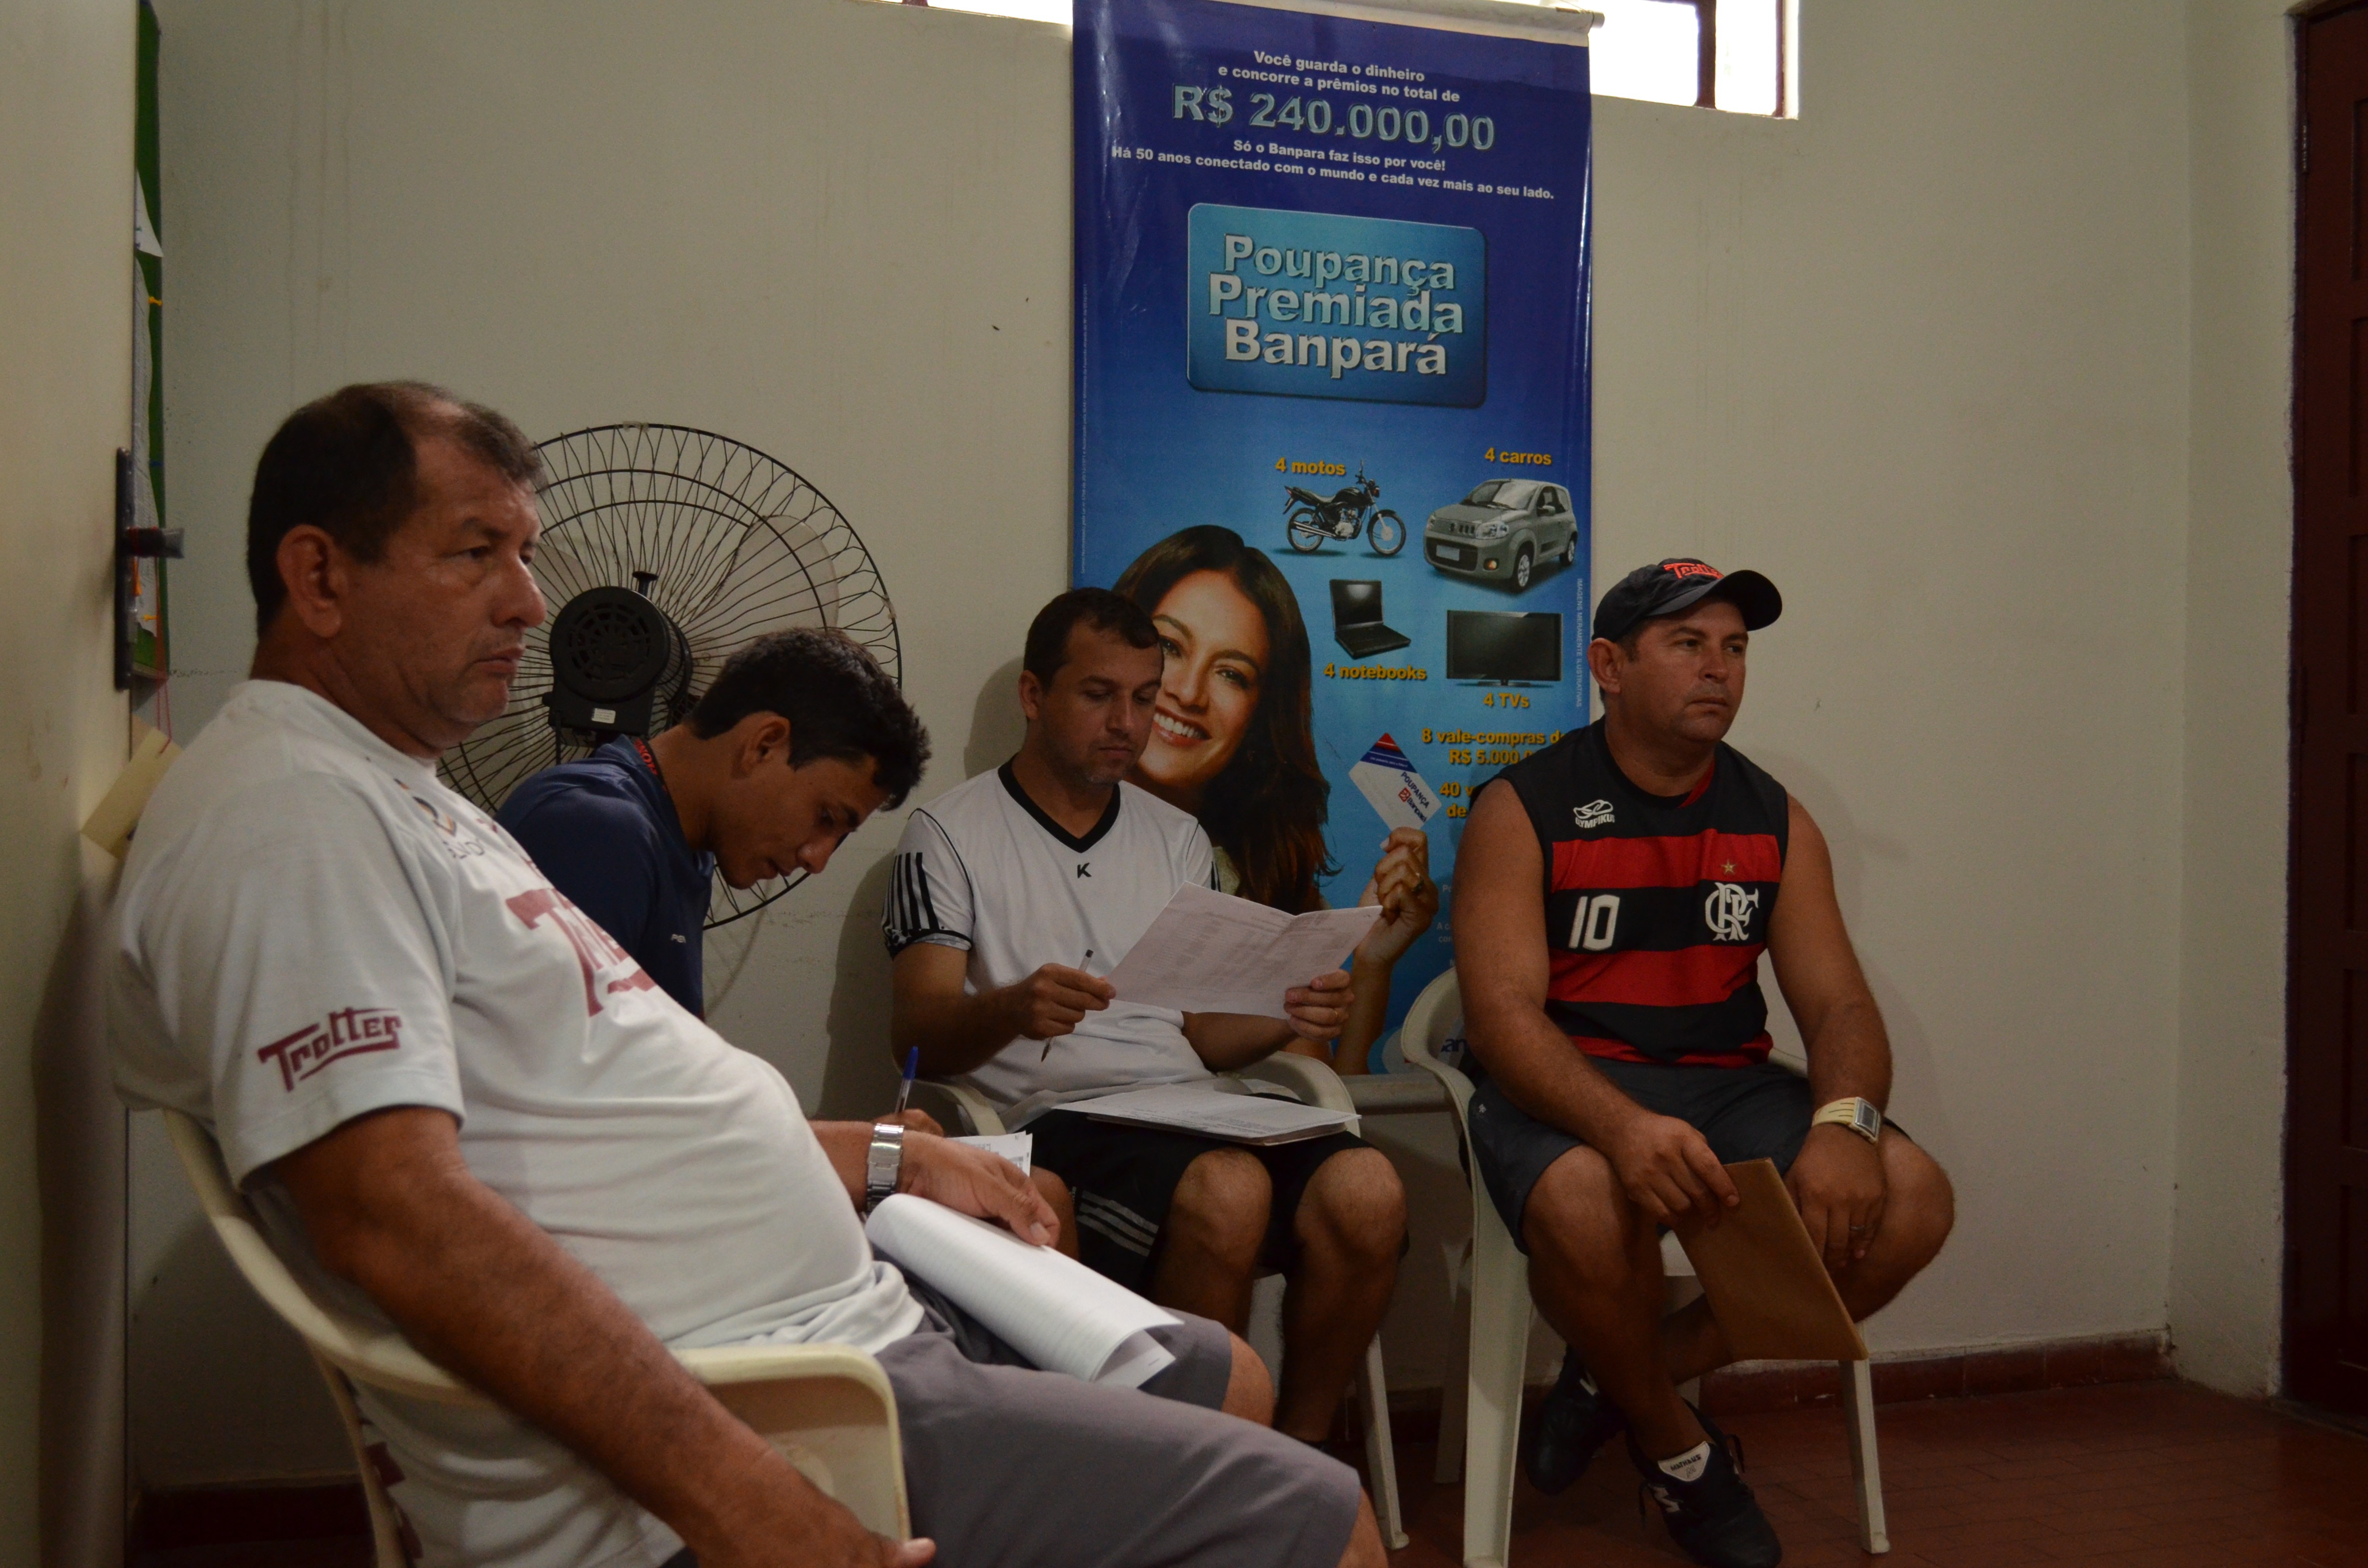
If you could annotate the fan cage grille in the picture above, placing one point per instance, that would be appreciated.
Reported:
(742, 546)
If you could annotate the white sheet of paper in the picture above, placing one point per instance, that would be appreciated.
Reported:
(1210, 952)
(1060, 1314)
(1197, 1108)
(1020, 1148)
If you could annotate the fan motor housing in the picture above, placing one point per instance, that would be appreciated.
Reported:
(614, 656)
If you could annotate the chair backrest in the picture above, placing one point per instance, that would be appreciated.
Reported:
(363, 1350)
(829, 1408)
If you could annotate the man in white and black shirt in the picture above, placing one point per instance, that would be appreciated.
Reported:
(465, 1110)
(1013, 895)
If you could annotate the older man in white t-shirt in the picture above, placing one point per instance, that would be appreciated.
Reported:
(463, 1107)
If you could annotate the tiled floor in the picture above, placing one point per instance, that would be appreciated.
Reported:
(2150, 1475)
(2156, 1474)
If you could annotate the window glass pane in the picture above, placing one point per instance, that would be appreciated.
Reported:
(1747, 55)
(1646, 49)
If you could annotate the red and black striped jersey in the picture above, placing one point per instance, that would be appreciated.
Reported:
(1656, 905)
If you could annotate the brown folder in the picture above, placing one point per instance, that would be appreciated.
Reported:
(1766, 1286)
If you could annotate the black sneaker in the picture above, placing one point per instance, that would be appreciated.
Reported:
(1573, 1422)
(1713, 1519)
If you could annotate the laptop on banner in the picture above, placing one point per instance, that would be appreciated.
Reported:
(1357, 619)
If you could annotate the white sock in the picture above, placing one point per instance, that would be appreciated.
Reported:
(1689, 1465)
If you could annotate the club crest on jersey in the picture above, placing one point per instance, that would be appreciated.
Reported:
(1729, 909)
(1595, 813)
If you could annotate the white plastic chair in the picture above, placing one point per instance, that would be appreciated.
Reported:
(1311, 1083)
(827, 1408)
(1489, 1417)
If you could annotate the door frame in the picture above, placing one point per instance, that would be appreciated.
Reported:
(2301, 18)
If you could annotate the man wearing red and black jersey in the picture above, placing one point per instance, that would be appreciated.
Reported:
(1613, 895)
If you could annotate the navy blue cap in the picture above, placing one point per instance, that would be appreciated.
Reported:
(1679, 583)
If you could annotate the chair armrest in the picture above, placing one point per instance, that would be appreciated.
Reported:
(827, 1408)
(1457, 1086)
(1310, 1079)
(1385, 1093)
(974, 1113)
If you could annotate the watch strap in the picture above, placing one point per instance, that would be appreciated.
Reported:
(1861, 1116)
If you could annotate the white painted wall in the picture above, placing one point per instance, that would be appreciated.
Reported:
(66, 73)
(1922, 355)
(2226, 1245)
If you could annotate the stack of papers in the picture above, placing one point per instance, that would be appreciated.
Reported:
(1211, 1113)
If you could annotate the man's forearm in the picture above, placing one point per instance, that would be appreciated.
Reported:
(1851, 1055)
(1227, 1040)
(1543, 1073)
(485, 1292)
(954, 1033)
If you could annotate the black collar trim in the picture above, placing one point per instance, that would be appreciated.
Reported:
(1099, 831)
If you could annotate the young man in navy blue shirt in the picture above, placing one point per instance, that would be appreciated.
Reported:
(800, 736)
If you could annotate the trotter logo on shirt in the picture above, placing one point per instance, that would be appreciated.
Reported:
(348, 1032)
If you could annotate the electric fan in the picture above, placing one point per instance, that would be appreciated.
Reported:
(665, 550)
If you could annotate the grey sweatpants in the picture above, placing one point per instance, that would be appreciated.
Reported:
(1007, 1467)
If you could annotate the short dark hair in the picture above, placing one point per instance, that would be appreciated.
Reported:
(348, 464)
(1048, 635)
(839, 701)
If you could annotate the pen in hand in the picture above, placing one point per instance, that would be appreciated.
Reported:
(904, 1090)
(1047, 1052)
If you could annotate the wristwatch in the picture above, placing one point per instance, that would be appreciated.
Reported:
(884, 1162)
(1859, 1114)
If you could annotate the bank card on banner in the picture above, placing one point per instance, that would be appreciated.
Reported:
(1396, 791)
(1332, 423)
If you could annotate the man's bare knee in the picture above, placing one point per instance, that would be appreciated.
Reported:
(1221, 1207)
(1365, 1540)
(1922, 1203)
(1579, 1215)
(1355, 1203)
(1249, 1390)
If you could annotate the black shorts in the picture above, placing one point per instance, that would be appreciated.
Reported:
(1124, 1178)
(1746, 1113)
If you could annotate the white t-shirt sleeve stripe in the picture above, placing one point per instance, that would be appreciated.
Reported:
(928, 890)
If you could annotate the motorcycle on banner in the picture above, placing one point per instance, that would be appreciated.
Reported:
(1314, 519)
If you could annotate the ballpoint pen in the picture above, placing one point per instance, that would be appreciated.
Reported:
(1047, 1052)
(904, 1090)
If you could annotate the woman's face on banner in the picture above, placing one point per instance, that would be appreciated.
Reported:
(1214, 644)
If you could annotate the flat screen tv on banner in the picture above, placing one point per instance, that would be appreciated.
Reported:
(1332, 420)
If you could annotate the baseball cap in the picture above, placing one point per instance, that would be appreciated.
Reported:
(1667, 586)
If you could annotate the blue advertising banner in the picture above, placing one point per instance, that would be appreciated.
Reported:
(1332, 417)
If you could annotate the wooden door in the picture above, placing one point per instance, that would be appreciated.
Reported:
(2326, 1144)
